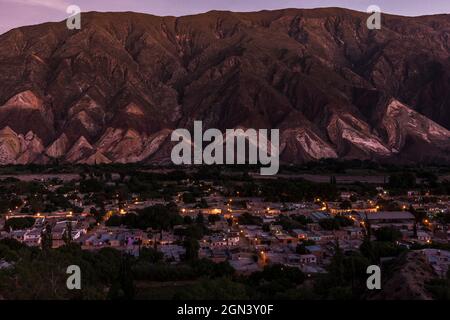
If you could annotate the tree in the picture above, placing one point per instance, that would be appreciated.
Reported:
(213, 218)
(346, 204)
(67, 236)
(188, 197)
(4, 206)
(388, 234)
(200, 219)
(158, 217)
(150, 255)
(301, 247)
(344, 221)
(203, 203)
(46, 238)
(187, 220)
(402, 180)
(419, 215)
(335, 223)
(97, 214)
(368, 250)
(194, 231)
(191, 245)
(336, 268)
(19, 223)
(333, 180)
(114, 221)
(302, 219)
(275, 279)
(42, 274)
(123, 286)
(387, 205)
(210, 269)
(90, 185)
(36, 205)
(428, 178)
(248, 219)
(266, 227)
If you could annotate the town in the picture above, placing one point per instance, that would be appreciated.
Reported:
(231, 217)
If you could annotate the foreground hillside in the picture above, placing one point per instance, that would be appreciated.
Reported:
(408, 279)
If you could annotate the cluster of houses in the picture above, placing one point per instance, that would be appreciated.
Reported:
(59, 230)
(251, 247)
(246, 247)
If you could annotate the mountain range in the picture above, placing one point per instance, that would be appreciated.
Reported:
(113, 91)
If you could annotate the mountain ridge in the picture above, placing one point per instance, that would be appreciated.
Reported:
(125, 80)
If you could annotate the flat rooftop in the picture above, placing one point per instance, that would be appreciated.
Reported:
(389, 215)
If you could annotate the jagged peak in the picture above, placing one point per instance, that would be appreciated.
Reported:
(26, 99)
(63, 137)
(86, 102)
(30, 135)
(82, 142)
(418, 124)
(58, 148)
(134, 109)
(132, 134)
(79, 149)
(96, 158)
(7, 131)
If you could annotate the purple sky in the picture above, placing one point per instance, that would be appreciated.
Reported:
(15, 13)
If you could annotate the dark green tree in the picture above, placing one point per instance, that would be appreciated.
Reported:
(46, 238)
(191, 246)
(67, 236)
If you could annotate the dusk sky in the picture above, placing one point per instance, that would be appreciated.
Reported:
(15, 13)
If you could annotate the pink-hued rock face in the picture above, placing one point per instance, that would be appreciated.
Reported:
(24, 100)
(19, 149)
(116, 89)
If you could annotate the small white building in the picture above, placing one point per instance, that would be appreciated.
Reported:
(423, 236)
(32, 237)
